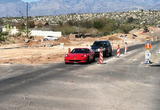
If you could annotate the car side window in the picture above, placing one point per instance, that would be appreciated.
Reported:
(108, 44)
(87, 51)
(90, 50)
(104, 44)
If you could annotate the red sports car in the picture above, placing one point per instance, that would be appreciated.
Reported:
(80, 55)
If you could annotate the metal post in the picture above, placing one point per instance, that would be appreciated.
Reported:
(27, 18)
(78, 25)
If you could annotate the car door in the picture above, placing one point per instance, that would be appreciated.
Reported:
(109, 47)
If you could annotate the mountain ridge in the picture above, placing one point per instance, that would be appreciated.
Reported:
(52, 7)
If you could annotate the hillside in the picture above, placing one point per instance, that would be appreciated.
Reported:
(99, 23)
(57, 7)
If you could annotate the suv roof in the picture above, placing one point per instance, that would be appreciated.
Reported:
(102, 41)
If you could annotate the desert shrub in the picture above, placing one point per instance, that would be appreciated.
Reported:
(4, 33)
(1, 21)
(65, 29)
(98, 24)
(39, 25)
(101, 26)
(3, 37)
(145, 29)
(87, 24)
(18, 34)
(130, 20)
(20, 25)
(31, 24)
(72, 23)
(126, 28)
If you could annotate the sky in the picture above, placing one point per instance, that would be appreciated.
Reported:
(29, 0)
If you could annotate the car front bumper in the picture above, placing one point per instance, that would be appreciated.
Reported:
(81, 60)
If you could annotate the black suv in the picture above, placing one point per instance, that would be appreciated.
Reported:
(105, 45)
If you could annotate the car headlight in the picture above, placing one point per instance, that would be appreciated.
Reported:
(98, 50)
(103, 49)
(84, 56)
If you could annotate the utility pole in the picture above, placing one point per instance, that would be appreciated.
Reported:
(27, 18)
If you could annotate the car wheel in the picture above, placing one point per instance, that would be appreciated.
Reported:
(45, 39)
(110, 54)
(88, 60)
(66, 63)
(94, 59)
(104, 54)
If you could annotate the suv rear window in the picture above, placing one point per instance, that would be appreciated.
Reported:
(101, 43)
(98, 44)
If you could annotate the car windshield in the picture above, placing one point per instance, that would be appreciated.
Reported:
(98, 44)
(80, 51)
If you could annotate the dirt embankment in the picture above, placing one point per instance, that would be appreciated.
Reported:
(42, 52)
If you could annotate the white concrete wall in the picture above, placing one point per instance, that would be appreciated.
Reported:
(14, 31)
(4, 29)
(45, 33)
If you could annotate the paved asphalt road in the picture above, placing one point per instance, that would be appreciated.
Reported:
(123, 83)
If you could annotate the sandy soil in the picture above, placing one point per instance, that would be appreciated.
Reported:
(38, 52)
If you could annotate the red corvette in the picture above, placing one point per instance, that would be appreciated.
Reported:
(80, 55)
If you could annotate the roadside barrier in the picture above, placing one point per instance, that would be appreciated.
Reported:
(69, 50)
(148, 57)
(148, 47)
(118, 51)
(100, 61)
(125, 48)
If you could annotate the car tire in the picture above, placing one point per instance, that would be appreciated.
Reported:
(66, 63)
(94, 59)
(88, 60)
(45, 39)
(104, 54)
(110, 54)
